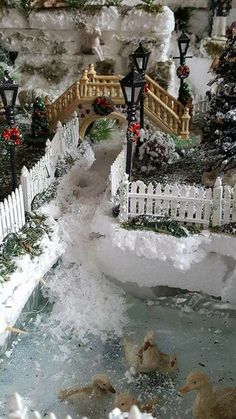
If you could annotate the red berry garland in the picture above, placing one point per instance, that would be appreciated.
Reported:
(12, 136)
(134, 132)
(183, 71)
(103, 106)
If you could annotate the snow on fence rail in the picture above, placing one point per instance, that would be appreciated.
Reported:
(17, 410)
(37, 179)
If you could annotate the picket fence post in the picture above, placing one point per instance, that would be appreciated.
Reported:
(60, 131)
(75, 129)
(26, 183)
(217, 203)
(234, 205)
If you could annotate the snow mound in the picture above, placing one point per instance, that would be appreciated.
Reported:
(181, 251)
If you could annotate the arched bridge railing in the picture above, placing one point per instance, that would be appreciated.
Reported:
(161, 108)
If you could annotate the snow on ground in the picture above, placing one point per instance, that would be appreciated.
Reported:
(85, 301)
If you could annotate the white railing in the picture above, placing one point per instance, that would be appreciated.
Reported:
(117, 172)
(186, 204)
(201, 104)
(17, 410)
(37, 179)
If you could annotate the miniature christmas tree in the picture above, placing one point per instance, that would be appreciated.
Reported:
(219, 132)
(185, 96)
(40, 123)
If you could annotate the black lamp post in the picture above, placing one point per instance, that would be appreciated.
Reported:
(183, 70)
(132, 87)
(140, 60)
(8, 93)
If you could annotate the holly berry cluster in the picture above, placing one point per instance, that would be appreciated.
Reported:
(134, 132)
(183, 71)
(12, 136)
(103, 106)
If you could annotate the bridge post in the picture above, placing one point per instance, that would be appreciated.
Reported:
(83, 84)
(184, 133)
(91, 73)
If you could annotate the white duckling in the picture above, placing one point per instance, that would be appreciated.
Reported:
(144, 359)
(124, 401)
(210, 402)
(100, 386)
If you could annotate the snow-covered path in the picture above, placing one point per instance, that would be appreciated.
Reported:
(84, 300)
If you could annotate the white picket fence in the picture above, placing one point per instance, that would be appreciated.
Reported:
(17, 410)
(186, 204)
(117, 172)
(37, 179)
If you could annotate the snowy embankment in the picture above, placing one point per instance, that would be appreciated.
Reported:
(15, 293)
(205, 263)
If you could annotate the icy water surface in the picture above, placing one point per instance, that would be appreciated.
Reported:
(199, 330)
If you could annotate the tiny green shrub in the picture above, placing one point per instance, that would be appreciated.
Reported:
(78, 4)
(53, 72)
(214, 49)
(160, 225)
(149, 7)
(105, 67)
(102, 130)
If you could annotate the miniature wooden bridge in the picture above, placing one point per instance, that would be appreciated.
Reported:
(162, 109)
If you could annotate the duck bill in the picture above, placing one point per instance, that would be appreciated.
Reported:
(184, 389)
(111, 389)
(146, 346)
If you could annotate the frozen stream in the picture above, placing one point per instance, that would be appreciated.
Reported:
(82, 332)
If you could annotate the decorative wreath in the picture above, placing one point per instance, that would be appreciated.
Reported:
(103, 105)
(183, 71)
(12, 136)
(134, 132)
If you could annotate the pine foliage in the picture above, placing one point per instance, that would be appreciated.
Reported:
(219, 132)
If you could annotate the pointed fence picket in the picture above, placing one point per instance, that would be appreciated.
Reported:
(12, 213)
(37, 179)
(17, 410)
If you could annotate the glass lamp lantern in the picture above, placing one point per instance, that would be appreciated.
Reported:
(140, 58)
(183, 44)
(131, 86)
(8, 95)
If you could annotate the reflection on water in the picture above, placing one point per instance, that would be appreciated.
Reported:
(200, 330)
